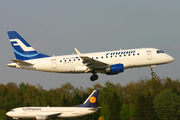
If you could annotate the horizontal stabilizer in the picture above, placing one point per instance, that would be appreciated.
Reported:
(94, 109)
(21, 62)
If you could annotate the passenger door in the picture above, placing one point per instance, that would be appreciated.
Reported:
(149, 55)
(53, 63)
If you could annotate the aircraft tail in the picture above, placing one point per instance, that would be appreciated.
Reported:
(22, 50)
(91, 100)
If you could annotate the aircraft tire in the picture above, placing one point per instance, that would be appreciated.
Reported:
(94, 77)
(153, 73)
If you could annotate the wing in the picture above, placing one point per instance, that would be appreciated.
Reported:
(46, 116)
(54, 115)
(91, 63)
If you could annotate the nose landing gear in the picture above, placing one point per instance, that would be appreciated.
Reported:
(152, 73)
(94, 77)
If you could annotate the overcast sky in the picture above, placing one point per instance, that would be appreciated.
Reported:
(57, 27)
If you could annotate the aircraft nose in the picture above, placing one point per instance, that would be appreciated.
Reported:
(7, 113)
(171, 59)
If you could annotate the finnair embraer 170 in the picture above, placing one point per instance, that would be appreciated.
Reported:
(43, 113)
(109, 62)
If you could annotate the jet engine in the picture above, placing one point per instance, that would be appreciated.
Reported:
(115, 69)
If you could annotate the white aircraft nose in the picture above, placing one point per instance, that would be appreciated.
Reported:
(171, 59)
(7, 113)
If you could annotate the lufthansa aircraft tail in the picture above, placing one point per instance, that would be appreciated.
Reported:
(22, 50)
(91, 100)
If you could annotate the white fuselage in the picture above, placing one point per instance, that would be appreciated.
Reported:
(130, 58)
(45, 112)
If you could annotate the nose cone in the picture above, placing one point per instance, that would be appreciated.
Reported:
(171, 59)
(7, 113)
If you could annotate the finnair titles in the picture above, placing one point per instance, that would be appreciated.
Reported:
(120, 53)
(109, 62)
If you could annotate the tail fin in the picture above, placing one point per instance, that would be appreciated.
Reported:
(91, 100)
(22, 50)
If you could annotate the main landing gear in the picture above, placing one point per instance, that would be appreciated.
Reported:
(94, 77)
(152, 73)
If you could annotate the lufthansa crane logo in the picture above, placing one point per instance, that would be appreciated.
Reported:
(92, 99)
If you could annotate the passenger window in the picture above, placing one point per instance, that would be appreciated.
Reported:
(106, 56)
(96, 57)
(133, 54)
(79, 59)
(69, 60)
(64, 60)
(119, 55)
(137, 53)
(124, 54)
(102, 57)
(115, 55)
(129, 54)
(60, 60)
(74, 59)
(111, 56)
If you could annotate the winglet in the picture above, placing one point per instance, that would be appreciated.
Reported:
(77, 51)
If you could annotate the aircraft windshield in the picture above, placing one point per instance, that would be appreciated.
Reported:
(12, 110)
(159, 51)
(162, 51)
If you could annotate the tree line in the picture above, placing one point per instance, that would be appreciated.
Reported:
(150, 99)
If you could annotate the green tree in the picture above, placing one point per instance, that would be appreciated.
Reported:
(174, 85)
(105, 112)
(111, 95)
(124, 113)
(3, 114)
(132, 112)
(167, 105)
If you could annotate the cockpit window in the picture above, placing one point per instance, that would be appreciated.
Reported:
(159, 51)
(12, 110)
(162, 51)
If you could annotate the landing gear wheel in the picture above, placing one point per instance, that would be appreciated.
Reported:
(152, 68)
(153, 73)
(94, 77)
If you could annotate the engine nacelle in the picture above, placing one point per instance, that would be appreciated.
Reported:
(41, 117)
(115, 69)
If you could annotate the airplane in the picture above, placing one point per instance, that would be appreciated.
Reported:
(108, 62)
(43, 113)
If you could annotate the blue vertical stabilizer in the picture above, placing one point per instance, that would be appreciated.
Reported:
(22, 50)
